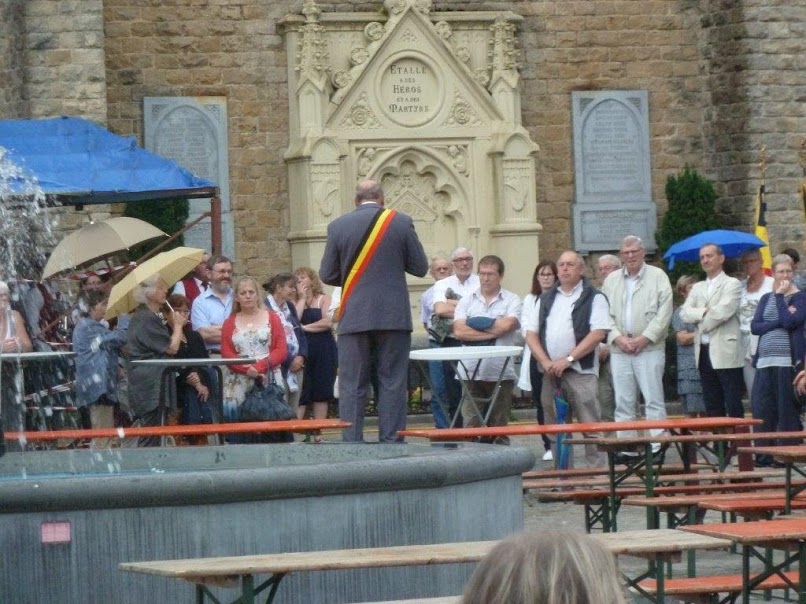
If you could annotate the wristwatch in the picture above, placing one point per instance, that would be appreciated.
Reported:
(570, 358)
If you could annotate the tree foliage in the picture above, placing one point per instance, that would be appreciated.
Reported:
(169, 215)
(691, 209)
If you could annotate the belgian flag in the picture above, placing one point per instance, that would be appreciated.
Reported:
(761, 227)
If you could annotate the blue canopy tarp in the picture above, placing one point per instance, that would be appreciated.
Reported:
(76, 161)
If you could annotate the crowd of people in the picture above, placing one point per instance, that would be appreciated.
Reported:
(603, 347)
(600, 345)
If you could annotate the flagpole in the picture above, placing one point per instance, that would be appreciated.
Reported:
(760, 226)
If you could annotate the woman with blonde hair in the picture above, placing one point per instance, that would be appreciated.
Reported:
(312, 307)
(250, 331)
(551, 567)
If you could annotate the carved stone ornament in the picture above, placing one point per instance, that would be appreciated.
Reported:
(366, 157)
(444, 29)
(341, 78)
(395, 7)
(462, 113)
(374, 31)
(463, 54)
(359, 55)
(423, 6)
(458, 155)
(482, 76)
(325, 187)
(361, 115)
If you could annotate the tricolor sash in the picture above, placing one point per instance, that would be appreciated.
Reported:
(364, 254)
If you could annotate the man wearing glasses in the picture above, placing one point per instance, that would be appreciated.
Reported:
(640, 299)
(214, 305)
(447, 293)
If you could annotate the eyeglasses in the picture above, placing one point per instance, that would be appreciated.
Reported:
(463, 259)
(631, 252)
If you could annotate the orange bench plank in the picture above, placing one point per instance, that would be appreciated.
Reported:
(715, 584)
(686, 423)
(294, 425)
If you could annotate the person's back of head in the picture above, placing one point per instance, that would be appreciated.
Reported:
(551, 567)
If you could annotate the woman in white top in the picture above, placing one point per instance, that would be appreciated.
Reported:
(531, 379)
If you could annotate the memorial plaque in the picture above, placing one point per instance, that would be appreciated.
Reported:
(193, 131)
(613, 185)
(409, 90)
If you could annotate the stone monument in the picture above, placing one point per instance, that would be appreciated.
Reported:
(428, 103)
(193, 131)
(612, 170)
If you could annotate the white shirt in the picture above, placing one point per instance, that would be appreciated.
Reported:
(427, 306)
(470, 285)
(560, 340)
(504, 305)
(747, 309)
(179, 288)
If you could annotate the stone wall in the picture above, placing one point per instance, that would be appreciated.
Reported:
(64, 59)
(723, 78)
(12, 30)
(756, 96)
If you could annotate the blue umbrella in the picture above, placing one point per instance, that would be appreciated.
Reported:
(563, 451)
(733, 243)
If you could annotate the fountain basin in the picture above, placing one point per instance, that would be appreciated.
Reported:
(148, 504)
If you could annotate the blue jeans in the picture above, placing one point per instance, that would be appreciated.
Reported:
(446, 392)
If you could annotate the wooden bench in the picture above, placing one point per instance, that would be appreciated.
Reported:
(707, 588)
(661, 480)
(598, 502)
(658, 546)
(670, 468)
(446, 600)
(301, 425)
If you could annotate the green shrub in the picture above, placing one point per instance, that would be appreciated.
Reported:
(169, 215)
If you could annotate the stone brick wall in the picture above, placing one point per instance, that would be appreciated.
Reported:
(723, 78)
(64, 59)
(220, 49)
(755, 58)
(11, 59)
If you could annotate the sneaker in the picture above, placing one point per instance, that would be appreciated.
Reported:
(548, 456)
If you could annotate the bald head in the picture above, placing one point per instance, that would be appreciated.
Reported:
(369, 191)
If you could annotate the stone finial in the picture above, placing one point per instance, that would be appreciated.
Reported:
(313, 60)
(503, 54)
(395, 7)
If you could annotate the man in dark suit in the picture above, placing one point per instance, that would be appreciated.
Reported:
(375, 310)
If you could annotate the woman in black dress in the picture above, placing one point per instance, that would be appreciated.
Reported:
(320, 367)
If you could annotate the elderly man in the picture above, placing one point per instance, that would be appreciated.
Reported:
(564, 330)
(606, 264)
(437, 370)
(489, 314)
(713, 306)
(447, 293)
(214, 305)
(368, 253)
(640, 299)
(755, 284)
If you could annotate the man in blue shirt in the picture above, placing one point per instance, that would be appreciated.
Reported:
(213, 306)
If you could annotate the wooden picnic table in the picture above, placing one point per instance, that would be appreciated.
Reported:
(294, 425)
(232, 571)
(788, 535)
(790, 456)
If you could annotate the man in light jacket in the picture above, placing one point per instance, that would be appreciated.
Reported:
(713, 305)
(640, 299)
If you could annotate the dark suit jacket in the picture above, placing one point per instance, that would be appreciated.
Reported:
(380, 299)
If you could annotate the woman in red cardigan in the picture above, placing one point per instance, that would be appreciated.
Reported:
(250, 331)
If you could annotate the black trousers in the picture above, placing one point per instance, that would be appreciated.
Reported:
(721, 388)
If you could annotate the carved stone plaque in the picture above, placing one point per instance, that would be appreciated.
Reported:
(194, 133)
(409, 90)
(613, 187)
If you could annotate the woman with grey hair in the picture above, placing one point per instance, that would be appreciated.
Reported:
(150, 338)
(779, 323)
(547, 567)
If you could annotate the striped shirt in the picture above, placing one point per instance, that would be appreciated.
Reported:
(774, 348)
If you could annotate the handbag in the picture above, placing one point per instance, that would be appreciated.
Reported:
(265, 404)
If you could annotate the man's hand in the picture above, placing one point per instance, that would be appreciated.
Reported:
(800, 382)
(559, 367)
(624, 344)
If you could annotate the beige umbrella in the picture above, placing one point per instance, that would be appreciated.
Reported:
(171, 266)
(98, 240)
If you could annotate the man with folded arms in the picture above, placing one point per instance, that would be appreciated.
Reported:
(488, 316)
(713, 306)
